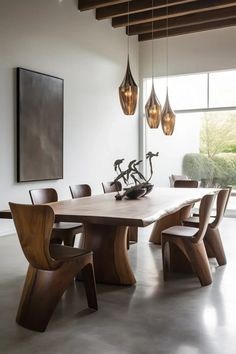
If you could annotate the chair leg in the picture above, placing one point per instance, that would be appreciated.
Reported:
(127, 240)
(42, 291)
(69, 239)
(199, 261)
(214, 246)
(90, 285)
(133, 234)
(174, 256)
(165, 257)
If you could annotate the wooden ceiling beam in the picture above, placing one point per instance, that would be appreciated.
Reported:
(174, 11)
(134, 7)
(84, 5)
(188, 29)
(183, 21)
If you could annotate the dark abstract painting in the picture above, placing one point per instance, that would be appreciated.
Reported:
(39, 126)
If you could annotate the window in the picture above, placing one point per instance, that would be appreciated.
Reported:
(222, 89)
(203, 145)
(204, 91)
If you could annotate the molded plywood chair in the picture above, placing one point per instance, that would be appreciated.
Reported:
(189, 240)
(188, 183)
(62, 231)
(173, 178)
(177, 218)
(51, 269)
(212, 239)
(80, 191)
(109, 187)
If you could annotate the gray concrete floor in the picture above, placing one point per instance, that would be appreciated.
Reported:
(178, 316)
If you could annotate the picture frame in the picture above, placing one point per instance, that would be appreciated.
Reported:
(40, 114)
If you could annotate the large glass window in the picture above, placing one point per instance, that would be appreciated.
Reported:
(203, 145)
(214, 90)
(222, 89)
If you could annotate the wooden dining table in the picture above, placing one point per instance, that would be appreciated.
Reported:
(106, 223)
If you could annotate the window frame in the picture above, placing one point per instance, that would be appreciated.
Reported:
(207, 108)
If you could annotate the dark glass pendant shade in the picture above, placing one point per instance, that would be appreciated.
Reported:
(128, 92)
(153, 110)
(167, 118)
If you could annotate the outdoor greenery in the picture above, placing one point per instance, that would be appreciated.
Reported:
(215, 165)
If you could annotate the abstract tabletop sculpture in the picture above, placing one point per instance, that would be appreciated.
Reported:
(141, 185)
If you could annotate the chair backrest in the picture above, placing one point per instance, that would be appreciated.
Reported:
(80, 191)
(43, 196)
(221, 205)
(188, 183)
(204, 215)
(230, 190)
(109, 187)
(34, 226)
(173, 178)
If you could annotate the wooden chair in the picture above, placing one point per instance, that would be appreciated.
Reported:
(169, 220)
(52, 267)
(80, 191)
(173, 178)
(62, 231)
(109, 187)
(212, 240)
(189, 241)
(188, 183)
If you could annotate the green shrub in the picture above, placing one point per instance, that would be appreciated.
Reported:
(199, 167)
(217, 172)
(225, 170)
(230, 148)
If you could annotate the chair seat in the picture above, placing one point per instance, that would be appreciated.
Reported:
(68, 226)
(181, 231)
(211, 217)
(65, 253)
(192, 221)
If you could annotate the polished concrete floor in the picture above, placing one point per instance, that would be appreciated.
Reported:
(177, 316)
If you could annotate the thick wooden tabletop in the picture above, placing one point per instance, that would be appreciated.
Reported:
(105, 209)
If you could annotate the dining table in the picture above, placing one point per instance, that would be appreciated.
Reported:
(106, 221)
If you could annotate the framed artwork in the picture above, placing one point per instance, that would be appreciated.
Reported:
(39, 126)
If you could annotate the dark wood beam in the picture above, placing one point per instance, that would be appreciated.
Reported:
(84, 5)
(183, 21)
(188, 29)
(177, 10)
(134, 6)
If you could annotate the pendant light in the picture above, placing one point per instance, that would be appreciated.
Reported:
(168, 115)
(153, 106)
(128, 90)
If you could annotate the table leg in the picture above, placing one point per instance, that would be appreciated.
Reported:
(109, 246)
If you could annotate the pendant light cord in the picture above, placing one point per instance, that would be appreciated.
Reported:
(152, 47)
(128, 29)
(167, 44)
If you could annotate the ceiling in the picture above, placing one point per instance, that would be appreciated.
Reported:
(184, 16)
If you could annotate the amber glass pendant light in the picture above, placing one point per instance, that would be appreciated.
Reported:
(168, 115)
(128, 90)
(153, 106)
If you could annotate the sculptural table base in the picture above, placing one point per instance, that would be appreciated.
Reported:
(168, 221)
(109, 244)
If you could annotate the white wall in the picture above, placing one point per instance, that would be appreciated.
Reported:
(53, 37)
(198, 52)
